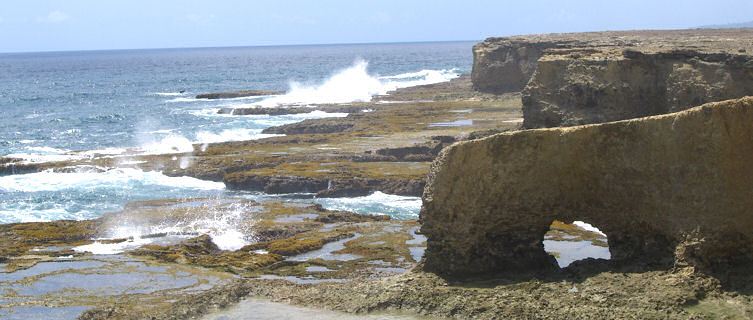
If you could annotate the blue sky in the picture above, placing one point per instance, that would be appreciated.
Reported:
(38, 25)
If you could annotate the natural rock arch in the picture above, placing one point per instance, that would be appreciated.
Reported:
(670, 189)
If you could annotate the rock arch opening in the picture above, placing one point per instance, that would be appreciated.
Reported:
(671, 191)
(570, 242)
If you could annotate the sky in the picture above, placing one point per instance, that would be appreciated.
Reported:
(50, 25)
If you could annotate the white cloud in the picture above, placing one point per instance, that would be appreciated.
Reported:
(54, 17)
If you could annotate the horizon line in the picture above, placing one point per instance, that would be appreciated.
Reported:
(721, 26)
(234, 46)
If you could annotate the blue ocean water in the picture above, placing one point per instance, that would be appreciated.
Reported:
(53, 104)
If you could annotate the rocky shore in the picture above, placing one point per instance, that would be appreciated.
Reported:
(669, 186)
(386, 145)
(293, 241)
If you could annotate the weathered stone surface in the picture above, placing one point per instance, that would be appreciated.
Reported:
(357, 187)
(275, 184)
(670, 189)
(506, 64)
(583, 78)
(426, 151)
(608, 86)
(326, 125)
(10, 166)
(323, 187)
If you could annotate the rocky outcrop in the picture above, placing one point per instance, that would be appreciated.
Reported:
(9, 166)
(596, 77)
(425, 151)
(274, 184)
(323, 187)
(309, 126)
(673, 189)
(506, 64)
(611, 86)
(358, 187)
(239, 94)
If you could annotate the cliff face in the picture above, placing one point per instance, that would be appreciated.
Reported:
(573, 79)
(670, 189)
(505, 65)
(572, 88)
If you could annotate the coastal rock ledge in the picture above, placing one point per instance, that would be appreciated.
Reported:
(673, 190)
(581, 78)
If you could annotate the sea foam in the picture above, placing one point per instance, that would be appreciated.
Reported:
(400, 207)
(104, 248)
(166, 141)
(169, 94)
(230, 226)
(41, 157)
(50, 180)
(173, 143)
(88, 192)
(183, 99)
(232, 135)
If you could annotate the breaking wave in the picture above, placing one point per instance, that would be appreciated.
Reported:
(230, 225)
(93, 178)
(231, 135)
(354, 84)
(169, 94)
(171, 144)
(87, 192)
(399, 207)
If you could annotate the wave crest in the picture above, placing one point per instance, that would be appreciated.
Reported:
(88, 179)
(354, 84)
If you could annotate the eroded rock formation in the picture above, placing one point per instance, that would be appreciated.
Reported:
(669, 189)
(581, 78)
(506, 64)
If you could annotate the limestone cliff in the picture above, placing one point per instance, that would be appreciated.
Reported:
(506, 64)
(669, 189)
(581, 78)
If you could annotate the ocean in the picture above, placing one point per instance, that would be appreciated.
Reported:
(55, 105)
